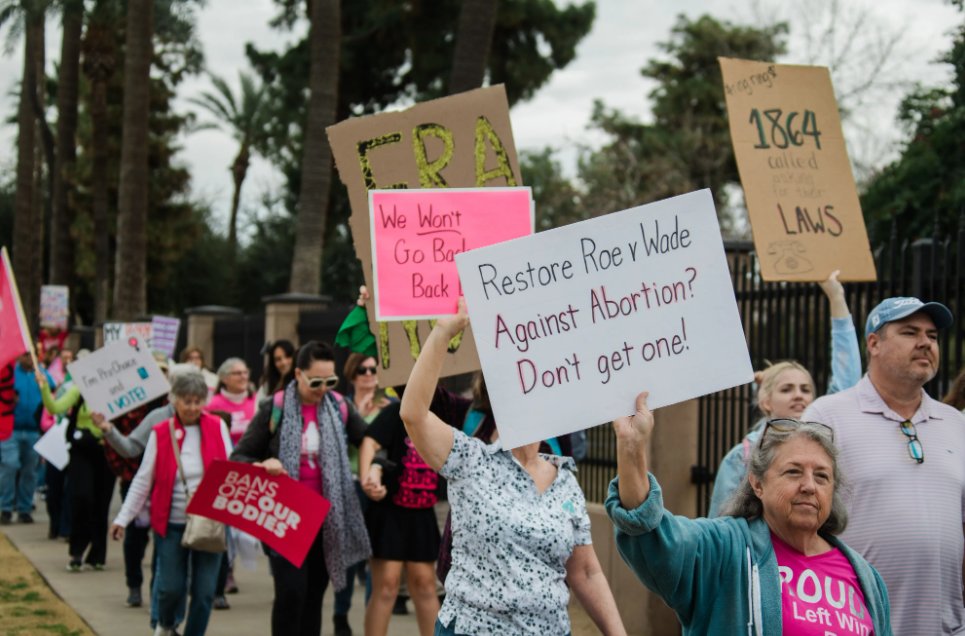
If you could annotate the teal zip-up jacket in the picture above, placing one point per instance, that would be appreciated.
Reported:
(719, 575)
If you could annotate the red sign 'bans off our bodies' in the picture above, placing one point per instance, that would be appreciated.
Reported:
(277, 510)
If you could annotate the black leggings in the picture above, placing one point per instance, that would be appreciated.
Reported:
(91, 489)
(297, 609)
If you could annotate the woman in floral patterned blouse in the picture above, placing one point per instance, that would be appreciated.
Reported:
(520, 530)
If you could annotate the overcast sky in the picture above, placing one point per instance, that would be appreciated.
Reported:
(624, 36)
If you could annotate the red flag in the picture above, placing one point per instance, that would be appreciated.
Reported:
(13, 341)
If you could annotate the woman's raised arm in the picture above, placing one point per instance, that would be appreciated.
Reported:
(432, 437)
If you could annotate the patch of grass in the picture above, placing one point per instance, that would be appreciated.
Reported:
(60, 629)
(28, 607)
(9, 590)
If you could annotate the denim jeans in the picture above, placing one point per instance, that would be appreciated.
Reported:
(172, 580)
(343, 598)
(182, 607)
(17, 454)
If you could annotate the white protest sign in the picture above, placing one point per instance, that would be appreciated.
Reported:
(164, 334)
(54, 306)
(571, 324)
(118, 377)
(52, 446)
(114, 331)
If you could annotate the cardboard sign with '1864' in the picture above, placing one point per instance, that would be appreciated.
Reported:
(462, 141)
(794, 167)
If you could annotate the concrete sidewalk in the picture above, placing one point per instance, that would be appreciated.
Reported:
(99, 596)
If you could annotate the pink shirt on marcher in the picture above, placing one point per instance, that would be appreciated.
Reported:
(820, 594)
(310, 467)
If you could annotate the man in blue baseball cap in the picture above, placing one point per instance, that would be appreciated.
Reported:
(898, 308)
(903, 454)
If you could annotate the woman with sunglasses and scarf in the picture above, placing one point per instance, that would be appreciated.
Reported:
(774, 564)
(301, 432)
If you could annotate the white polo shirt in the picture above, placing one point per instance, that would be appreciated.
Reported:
(905, 518)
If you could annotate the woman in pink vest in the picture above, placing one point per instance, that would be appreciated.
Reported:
(202, 439)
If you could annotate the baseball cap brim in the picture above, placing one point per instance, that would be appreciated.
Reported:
(939, 313)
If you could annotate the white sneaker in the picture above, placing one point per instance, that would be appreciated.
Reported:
(163, 631)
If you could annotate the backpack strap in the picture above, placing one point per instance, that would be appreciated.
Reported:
(277, 405)
(342, 405)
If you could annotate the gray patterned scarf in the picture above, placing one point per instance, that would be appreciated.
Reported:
(345, 540)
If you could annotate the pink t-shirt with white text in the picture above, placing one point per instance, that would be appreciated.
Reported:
(820, 594)
(310, 468)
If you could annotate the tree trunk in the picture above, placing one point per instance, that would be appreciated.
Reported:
(44, 152)
(239, 170)
(130, 265)
(26, 225)
(62, 217)
(325, 37)
(474, 35)
(99, 62)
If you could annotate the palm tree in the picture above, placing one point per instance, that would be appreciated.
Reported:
(100, 59)
(27, 17)
(474, 34)
(324, 42)
(67, 88)
(245, 117)
(130, 265)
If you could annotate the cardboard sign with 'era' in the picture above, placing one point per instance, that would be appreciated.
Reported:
(794, 167)
(571, 324)
(416, 235)
(462, 141)
(278, 510)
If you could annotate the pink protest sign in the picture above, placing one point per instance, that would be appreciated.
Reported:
(416, 235)
(278, 510)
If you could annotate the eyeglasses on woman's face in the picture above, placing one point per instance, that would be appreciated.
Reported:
(367, 370)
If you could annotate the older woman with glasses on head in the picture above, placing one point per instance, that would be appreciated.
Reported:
(774, 565)
(786, 388)
(301, 432)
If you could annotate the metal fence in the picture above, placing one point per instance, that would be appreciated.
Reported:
(791, 321)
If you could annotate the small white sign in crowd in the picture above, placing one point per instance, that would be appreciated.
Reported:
(119, 377)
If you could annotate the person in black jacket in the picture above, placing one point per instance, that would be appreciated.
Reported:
(301, 432)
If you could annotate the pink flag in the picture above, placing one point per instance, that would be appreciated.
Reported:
(278, 510)
(13, 341)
